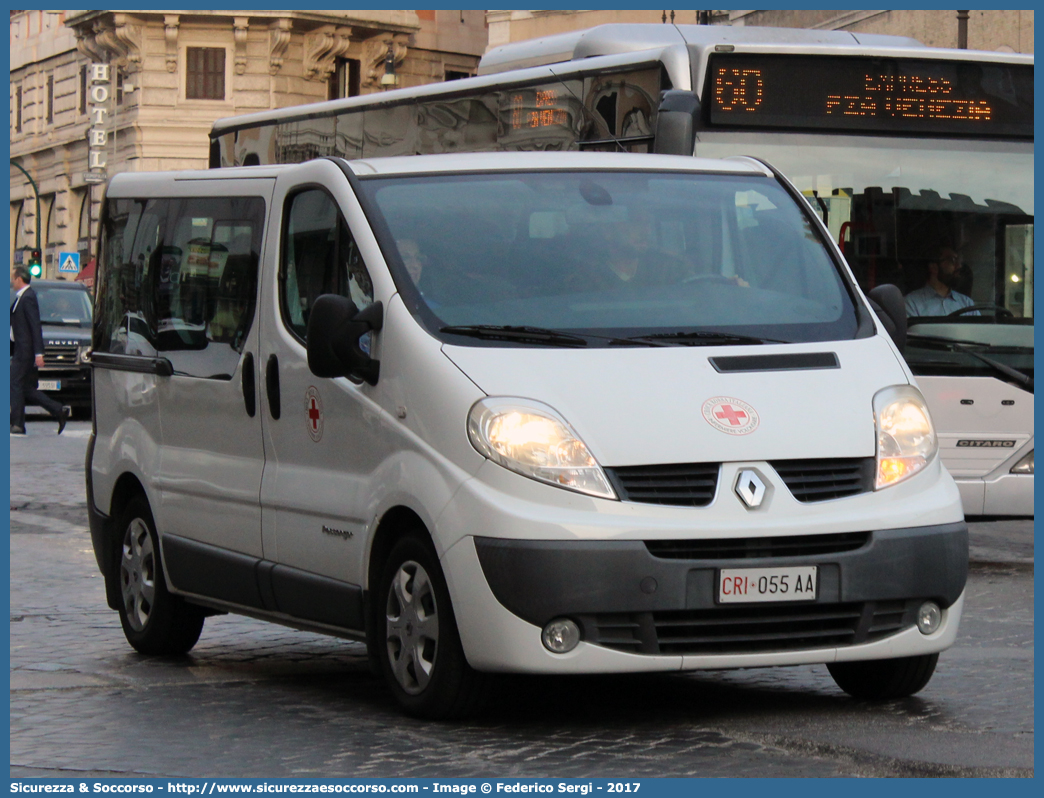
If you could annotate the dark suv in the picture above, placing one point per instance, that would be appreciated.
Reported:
(65, 315)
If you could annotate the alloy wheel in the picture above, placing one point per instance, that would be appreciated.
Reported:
(138, 574)
(412, 627)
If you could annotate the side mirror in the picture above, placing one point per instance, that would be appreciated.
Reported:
(676, 120)
(335, 326)
(889, 305)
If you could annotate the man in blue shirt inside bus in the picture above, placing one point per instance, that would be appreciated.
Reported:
(937, 297)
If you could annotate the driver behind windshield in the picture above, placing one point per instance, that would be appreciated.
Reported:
(937, 296)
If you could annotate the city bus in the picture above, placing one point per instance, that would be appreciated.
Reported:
(904, 152)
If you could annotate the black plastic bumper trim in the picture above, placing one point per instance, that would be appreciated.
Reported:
(230, 577)
(101, 533)
(541, 580)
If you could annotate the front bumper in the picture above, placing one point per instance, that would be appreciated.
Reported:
(517, 554)
(627, 597)
(640, 612)
(1005, 494)
(75, 385)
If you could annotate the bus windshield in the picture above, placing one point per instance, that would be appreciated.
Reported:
(684, 258)
(949, 221)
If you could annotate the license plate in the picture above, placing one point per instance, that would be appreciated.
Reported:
(748, 585)
(48, 385)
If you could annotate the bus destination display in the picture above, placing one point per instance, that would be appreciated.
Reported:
(536, 108)
(871, 94)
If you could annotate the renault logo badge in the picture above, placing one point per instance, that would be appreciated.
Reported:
(750, 488)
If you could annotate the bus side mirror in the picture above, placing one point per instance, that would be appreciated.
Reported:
(676, 122)
(889, 305)
(335, 327)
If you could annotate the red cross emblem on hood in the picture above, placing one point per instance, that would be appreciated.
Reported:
(730, 415)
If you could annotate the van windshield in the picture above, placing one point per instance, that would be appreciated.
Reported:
(610, 256)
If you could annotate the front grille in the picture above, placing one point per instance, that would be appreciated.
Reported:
(683, 485)
(888, 617)
(748, 630)
(750, 548)
(694, 484)
(738, 630)
(59, 357)
(820, 480)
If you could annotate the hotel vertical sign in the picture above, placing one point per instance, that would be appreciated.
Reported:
(98, 135)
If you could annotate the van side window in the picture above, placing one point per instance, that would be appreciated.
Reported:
(320, 257)
(132, 234)
(180, 280)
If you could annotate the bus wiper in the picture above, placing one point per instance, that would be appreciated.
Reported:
(938, 339)
(966, 347)
(706, 338)
(507, 332)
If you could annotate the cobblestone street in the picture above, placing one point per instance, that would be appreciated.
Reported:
(254, 699)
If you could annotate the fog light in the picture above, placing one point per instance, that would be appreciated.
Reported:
(929, 616)
(561, 636)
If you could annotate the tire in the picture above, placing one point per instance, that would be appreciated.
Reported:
(416, 640)
(154, 621)
(884, 679)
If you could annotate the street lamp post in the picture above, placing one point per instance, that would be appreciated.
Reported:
(36, 192)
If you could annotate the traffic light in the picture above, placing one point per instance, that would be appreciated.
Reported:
(35, 268)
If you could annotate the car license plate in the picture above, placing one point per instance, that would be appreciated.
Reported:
(48, 385)
(748, 585)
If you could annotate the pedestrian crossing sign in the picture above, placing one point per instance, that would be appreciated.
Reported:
(69, 262)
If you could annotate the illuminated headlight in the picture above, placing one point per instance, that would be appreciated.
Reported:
(906, 440)
(530, 439)
(1024, 466)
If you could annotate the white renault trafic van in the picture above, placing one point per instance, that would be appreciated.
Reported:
(542, 413)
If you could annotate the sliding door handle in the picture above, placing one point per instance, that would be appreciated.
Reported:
(249, 384)
(272, 385)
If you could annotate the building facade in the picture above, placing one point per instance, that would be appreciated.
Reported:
(94, 93)
(515, 26)
(1007, 31)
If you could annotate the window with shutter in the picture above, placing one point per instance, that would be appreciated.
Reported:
(205, 77)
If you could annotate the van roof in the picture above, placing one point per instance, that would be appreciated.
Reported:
(131, 184)
(532, 161)
(127, 183)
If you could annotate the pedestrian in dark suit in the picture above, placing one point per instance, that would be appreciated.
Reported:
(27, 356)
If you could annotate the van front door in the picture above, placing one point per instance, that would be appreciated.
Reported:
(322, 437)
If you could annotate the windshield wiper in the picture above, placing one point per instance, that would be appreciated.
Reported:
(966, 348)
(543, 335)
(706, 338)
(507, 332)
